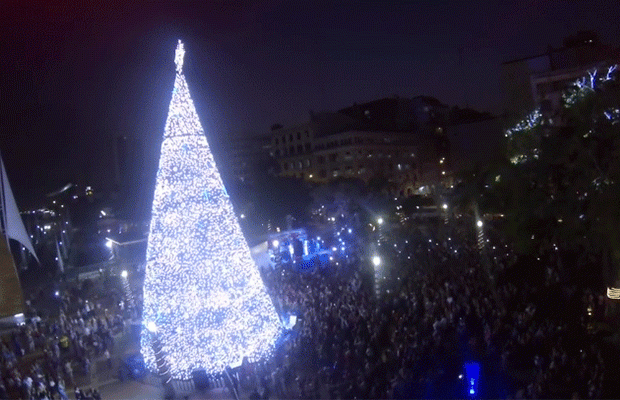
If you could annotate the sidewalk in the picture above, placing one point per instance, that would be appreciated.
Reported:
(131, 390)
(100, 373)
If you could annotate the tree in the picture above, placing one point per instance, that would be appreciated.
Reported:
(203, 295)
(565, 181)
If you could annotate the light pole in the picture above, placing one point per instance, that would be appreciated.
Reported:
(481, 242)
(128, 292)
(380, 230)
(484, 256)
(376, 263)
(444, 206)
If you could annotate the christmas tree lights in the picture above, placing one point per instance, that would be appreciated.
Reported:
(202, 290)
(586, 85)
(522, 136)
(533, 120)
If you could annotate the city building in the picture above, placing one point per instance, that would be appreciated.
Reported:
(539, 81)
(240, 159)
(401, 141)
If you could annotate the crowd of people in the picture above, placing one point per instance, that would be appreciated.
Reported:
(64, 333)
(442, 304)
(444, 298)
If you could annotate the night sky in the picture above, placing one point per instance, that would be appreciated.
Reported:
(74, 75)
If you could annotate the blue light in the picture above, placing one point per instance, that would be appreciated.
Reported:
(472, 371)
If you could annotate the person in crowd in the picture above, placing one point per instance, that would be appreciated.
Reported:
(413, 341)
(439, 306)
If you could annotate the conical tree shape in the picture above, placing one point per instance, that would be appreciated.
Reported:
(202, 289)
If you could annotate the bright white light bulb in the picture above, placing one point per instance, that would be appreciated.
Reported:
(151, 326)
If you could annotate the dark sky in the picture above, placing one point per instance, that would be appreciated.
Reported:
(74, 75)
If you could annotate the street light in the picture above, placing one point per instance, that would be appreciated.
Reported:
(376, 261)
(446, 214)
(481, 241)
(128, 293)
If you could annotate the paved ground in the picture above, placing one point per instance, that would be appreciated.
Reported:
(111, 388)
(132, 390)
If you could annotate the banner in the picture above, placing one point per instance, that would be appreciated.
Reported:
(11, 300)
(14, 225)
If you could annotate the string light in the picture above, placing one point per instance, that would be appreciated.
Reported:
(586, 85)
(578, 91)
(201, 289)
(530, 122)
(612, 115)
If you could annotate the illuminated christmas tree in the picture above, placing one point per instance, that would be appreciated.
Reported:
(203, 294)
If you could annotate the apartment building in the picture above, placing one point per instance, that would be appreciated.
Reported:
(351, 144)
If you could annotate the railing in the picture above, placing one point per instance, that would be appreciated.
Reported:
(184, 386)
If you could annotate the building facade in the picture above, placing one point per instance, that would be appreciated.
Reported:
(538, 81)
(385, 139)
(240, 159)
